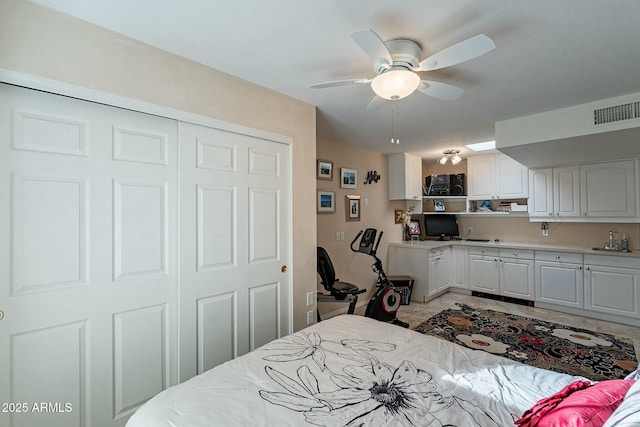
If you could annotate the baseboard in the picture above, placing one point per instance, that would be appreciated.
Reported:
(503, 298)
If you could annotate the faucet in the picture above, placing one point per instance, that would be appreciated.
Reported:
(611, 246)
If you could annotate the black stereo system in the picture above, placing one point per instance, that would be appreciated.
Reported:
(445, 185)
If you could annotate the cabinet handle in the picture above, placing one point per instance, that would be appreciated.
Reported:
(557, 213)
(515, 253)
(587, 268)
(584, 214)
(579, 267)
(495, 260)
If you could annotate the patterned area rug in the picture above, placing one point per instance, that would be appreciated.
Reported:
(547, 345)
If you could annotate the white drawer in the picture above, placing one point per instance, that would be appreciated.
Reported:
(516, 253)
(484, 251)
(559, 257)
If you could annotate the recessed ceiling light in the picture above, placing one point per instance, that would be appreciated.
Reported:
(482, 146)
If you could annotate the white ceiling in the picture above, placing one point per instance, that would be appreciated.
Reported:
(550, 54)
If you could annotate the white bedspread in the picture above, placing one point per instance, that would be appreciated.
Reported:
(355, 371)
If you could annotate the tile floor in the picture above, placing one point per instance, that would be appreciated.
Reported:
(415, 313)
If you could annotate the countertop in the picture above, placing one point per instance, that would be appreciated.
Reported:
(433, 244)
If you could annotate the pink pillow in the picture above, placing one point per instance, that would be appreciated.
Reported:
(580, 404)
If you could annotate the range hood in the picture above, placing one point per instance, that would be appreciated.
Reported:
(598, 131)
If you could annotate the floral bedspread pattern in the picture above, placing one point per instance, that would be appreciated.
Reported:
(355, 371)
(362, 391)
(547, 345)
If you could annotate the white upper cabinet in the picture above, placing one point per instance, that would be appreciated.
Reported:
(554, 192)
(405, 177)
(597, 190)
(608, 189)
(496, 177)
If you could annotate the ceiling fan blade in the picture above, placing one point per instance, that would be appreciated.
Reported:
(373, 46)
(376, 103)
(440, 90)
(461, 52)
(339, 83)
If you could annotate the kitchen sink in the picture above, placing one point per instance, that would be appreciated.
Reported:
(609, 250)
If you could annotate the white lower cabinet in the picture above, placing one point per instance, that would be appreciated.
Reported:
(516, 273)
(502, 272)
(559, 278)
(439, 270)
(600, 286)
(460, 270)
(611, 286)
(430, 268)
(483, 270)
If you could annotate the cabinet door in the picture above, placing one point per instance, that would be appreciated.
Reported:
(516, 278)
(540, 192)
(405, 177)
(439, 271)
(483, 273)
(612, 290)
(566, 191)
(512, 178)
(413, 177)
(482, 177)
(559, 283)
(460, 260)
(608, 189)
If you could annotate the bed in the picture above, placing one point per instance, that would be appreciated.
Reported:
(354, 371)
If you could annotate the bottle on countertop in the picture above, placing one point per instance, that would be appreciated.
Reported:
(625, 243)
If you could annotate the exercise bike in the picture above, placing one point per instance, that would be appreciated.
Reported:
(385, 302)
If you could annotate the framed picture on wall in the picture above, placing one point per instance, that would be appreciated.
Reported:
(326, 201)
(348, 178)
(325, 170)
(353, 208)
(398, 219)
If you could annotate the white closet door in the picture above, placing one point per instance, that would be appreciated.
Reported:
(88, 259)
(235, 221)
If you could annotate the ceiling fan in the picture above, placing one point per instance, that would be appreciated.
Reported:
(397, 62)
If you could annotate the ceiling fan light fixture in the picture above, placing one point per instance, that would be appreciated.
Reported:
(395, 84)
(443, 160)
(456, 159)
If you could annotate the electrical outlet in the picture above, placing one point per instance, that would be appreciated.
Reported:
(337, 235)
(309, 317)
(469, 230)
(342, 235)
(545, 232)
(309, 299)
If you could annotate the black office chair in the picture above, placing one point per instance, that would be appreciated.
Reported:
(338, 291)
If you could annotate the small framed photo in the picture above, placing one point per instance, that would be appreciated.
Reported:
(348, 178)
(353, 208)
(438, 205)
(325, 170)
(414, 228)
(326, 201)
(398, 216)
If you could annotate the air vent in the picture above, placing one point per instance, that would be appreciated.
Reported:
(617, 113)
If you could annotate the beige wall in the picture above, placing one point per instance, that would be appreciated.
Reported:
(39, 41)
(521, 230)
(376, 212)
